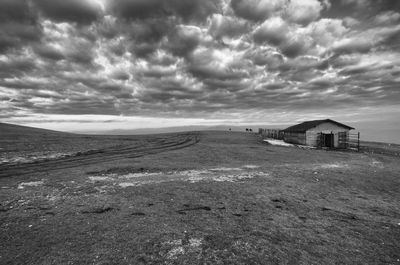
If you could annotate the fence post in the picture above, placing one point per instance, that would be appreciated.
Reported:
(319, 140)
(358, 141)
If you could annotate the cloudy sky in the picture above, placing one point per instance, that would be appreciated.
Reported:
(108, 64)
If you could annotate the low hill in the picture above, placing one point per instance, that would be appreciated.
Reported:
(20, 145)
(8, 130)
(17, 140)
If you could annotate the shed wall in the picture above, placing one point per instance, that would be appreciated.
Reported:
(312, 138)
(295, 138)
(326, 127)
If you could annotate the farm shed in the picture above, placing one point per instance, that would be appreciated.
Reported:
(318, 133)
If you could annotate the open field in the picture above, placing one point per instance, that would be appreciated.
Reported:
(380, 148)
(192, 198)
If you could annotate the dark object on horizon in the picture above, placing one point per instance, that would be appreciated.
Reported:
(247, 129)
(250, 130)
(230, 129)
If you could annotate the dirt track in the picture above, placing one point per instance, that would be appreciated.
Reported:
(146, 146)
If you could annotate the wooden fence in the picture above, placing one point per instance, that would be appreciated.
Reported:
(353, 141)
(349, 140)
(271, 133)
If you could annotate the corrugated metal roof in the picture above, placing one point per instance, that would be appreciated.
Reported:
(305, 126)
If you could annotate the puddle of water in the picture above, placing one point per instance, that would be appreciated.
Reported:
(331, 166)
(193, 173)
(225, 169)
(30, 184)
(251, 166)
(127, 184)
(100, 178)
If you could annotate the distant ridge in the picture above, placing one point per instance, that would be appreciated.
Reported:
(240, 128)
(14, 130)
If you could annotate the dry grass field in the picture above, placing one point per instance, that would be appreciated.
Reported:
(192, 198)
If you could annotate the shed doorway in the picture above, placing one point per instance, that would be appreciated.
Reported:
(327, 140)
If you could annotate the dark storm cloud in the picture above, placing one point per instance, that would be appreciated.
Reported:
(15, 10)
(16, 67)
(158, 72)
(149, 30)
(48, 52)
(193, 10)
(79, 11)
(205, 71)
(390, 38)
(14, 35)
(192, 58)
(188, 10)
(120, 75)
(294, 48)
(137, 9)
(183, 40)
(257, 10)
(18, 25)
(227, 84)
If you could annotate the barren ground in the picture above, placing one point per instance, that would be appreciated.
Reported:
(193, 198)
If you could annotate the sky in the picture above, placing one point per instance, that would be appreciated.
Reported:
(100, 65)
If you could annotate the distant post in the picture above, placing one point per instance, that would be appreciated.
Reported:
(358, 141)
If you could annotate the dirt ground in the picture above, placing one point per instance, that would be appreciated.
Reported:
(195, 198)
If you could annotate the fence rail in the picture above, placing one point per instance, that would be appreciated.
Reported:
(271, 133)
(354, 141)
(349, 140)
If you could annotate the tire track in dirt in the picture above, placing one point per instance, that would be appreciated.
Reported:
(149, 146)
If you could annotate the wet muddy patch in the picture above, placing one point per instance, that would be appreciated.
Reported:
(7, 159)
(221, 174)
(23, 185)
(331, 166)
(17, 158)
